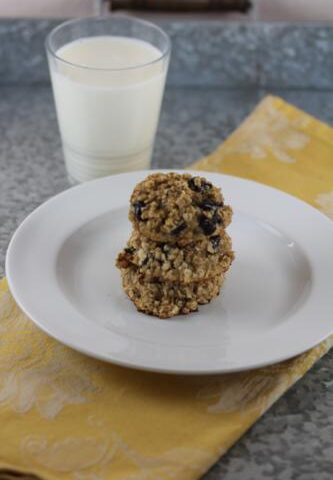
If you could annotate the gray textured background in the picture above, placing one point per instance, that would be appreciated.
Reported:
(217, 77)
(205, 53)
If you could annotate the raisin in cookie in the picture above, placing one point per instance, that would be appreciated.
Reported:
(165, 300)
(175, 208)
(193, 262)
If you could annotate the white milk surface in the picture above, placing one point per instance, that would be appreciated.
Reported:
(107, 109)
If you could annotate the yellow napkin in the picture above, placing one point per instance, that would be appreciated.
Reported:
(66, 416)
(281, 146)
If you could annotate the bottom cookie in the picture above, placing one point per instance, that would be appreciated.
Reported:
(166, 300)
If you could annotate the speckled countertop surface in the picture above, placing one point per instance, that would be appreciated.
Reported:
(294, 440)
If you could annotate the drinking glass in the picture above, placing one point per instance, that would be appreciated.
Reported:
(108, 76)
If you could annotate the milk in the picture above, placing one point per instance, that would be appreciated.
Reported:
(107, 109)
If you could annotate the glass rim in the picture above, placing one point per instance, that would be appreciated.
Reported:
(52, 52)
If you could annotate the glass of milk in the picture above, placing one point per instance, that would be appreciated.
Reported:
(108, 76)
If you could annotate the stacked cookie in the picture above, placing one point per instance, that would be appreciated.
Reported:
(179, 251)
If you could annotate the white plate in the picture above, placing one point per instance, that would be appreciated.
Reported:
(276, 303)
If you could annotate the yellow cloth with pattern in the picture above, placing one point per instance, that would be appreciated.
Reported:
(66, 416)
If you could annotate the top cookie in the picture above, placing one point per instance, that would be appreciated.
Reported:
(175, 208)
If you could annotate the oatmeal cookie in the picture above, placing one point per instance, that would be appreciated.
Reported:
(178, 208)
(166, 300)
(194, 262)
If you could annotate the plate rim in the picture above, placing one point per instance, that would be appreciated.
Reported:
(113, 359)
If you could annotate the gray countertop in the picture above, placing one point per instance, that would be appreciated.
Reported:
(293, 441)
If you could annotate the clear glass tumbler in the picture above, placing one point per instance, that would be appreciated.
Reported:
(108, 76)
